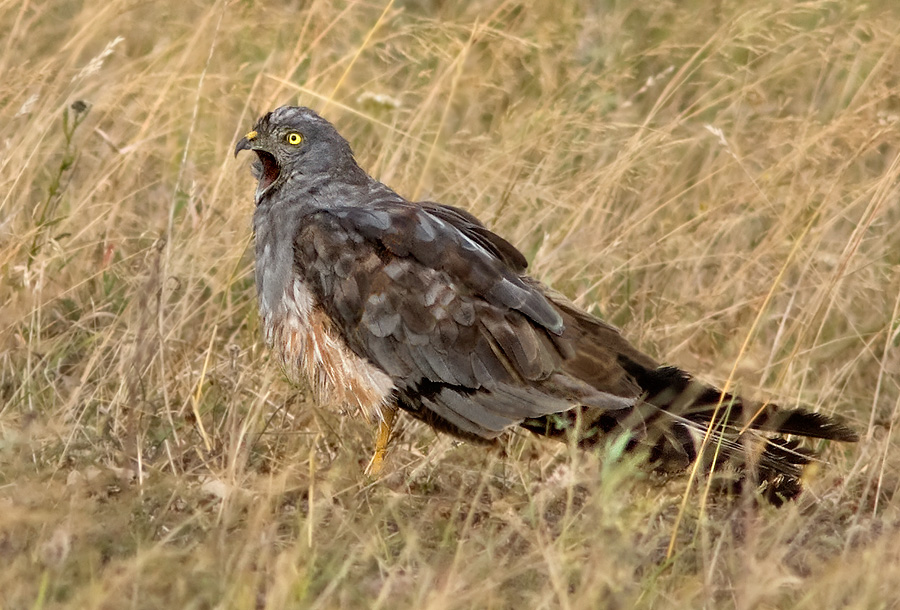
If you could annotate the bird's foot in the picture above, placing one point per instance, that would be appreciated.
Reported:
(376, 464)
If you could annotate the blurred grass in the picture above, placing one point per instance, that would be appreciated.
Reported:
(661, 164)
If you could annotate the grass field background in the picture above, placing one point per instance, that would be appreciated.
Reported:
(720, 179)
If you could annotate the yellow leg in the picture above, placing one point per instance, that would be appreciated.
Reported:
(381, 442)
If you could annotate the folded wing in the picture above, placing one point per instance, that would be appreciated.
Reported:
(437, 301)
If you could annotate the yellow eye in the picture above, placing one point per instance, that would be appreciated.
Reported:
(294, 138)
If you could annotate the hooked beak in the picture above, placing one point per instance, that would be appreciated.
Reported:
(245, 143)
(266, 168)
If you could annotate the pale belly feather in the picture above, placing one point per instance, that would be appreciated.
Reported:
(311, 347)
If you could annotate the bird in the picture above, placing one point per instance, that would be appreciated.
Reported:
(385, 305)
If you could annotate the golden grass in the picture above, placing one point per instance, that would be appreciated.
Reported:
(669, 167)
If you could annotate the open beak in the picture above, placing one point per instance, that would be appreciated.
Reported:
(245, 143)
(265, 168)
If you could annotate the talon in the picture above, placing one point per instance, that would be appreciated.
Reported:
(376, 464)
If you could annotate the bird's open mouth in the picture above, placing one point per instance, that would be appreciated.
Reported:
(266, 169)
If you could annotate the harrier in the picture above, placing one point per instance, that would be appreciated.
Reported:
(382, 304)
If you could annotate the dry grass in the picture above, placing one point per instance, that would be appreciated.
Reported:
(719, 179)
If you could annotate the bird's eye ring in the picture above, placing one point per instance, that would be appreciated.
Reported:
(294, 138)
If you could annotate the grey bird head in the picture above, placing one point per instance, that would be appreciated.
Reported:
(294, 144)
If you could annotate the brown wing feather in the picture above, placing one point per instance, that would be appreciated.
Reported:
(597, 350)
(455, 328)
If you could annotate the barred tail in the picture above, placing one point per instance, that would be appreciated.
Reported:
(741, 433)
(681, 420)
